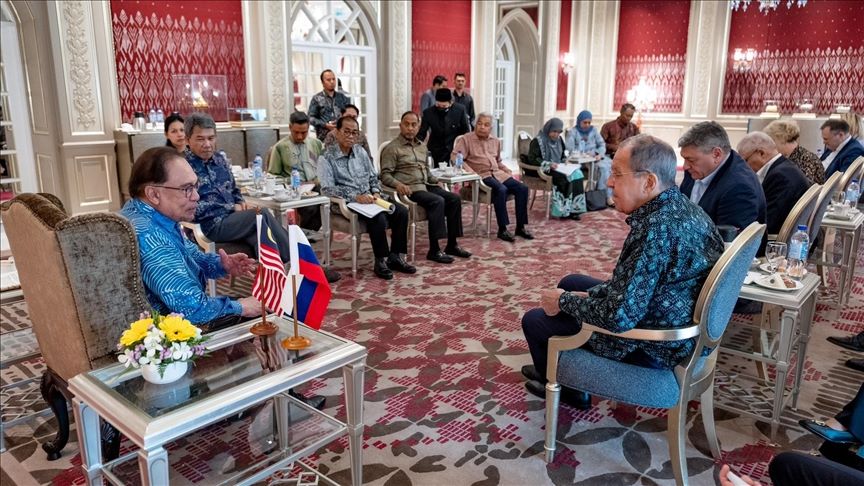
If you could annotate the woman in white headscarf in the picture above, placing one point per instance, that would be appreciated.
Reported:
(546, 152)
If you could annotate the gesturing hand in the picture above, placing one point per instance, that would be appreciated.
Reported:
(365, 199)
(549, 301)
(237, 265)
(403, 189)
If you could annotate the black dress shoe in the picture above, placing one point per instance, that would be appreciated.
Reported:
(439, 257)
(524, 233)
(854, 342)
(396, 262)
(575, 216)
(574, 398)
(530, 372)
(457, 252)
(315, 401)
(332, 275)
(506, 236)
(382, 270)
(855, 364)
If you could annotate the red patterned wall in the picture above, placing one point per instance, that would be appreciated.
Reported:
(814, 52)
(652, 42)
(154, 40)
(563, 48)
(440, 44)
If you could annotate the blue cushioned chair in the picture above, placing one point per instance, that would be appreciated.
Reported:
(671, 389)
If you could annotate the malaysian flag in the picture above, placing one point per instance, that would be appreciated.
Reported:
(270, 279)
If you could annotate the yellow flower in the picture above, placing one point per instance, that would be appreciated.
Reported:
(177, 329)
(136, 332)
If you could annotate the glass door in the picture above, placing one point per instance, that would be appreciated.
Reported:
(504, 94)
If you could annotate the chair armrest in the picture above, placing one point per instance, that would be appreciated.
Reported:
(522, 165)
(343, 207)
(202, 241)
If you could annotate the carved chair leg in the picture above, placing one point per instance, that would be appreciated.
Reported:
(52, 388)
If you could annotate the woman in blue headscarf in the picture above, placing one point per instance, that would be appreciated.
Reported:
(546, 152)
(586, 139)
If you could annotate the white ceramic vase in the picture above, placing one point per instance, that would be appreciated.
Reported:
(173, 372)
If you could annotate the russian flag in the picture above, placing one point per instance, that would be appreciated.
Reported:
(313, 291)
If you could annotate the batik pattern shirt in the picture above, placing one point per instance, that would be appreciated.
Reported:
(809, 165)
(216, 188)
(324, 109)
(347, 175)
(173, 269)
(669, 252)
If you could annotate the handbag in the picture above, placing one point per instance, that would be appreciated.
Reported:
(595, 200)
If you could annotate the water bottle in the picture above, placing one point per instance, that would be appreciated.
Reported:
(295, 182)
(257, 171)
(799, 246)
(853, 192)
(160, 116)
(431, 162)
(581, 145)
(460, 161)
(151, 117)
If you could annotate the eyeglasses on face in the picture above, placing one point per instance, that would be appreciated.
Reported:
(350, 133)
(188, 189)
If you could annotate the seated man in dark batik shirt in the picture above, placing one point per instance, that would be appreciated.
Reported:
(671, 247)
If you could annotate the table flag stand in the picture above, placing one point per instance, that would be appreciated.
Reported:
(296, 341)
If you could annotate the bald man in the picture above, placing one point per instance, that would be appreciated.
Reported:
(782, 180)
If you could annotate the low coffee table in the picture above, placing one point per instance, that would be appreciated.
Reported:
(241, 372)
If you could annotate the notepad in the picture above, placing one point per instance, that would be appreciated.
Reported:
(372, 210)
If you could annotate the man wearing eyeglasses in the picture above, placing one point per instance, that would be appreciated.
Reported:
(346, 171)
(671, 247)
(164, 193)
(222, 212)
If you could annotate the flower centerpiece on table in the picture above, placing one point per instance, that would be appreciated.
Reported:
(161, 346)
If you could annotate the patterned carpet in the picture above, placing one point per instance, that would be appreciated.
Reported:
(444, 401)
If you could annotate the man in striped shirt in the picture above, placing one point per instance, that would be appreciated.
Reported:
(165, 191)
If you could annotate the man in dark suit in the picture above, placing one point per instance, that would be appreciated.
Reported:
(782, 181)
(718, 179)
(840, 148)
(443, 121)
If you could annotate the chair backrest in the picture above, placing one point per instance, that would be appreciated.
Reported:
(851, 173)
(800, 214)
(377, 161)
(723, 284)
(831, 186)
(267, 157)
(523, 143)
(80, 277)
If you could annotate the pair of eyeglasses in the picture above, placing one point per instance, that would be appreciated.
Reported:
(188, 190)
(351, 133)
(621, 174)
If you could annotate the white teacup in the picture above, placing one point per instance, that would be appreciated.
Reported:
(270, 186)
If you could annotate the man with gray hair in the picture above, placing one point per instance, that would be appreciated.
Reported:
(718, 179)
(782, 181)
(671, 247)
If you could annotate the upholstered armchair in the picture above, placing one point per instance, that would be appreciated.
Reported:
(82, 283)
(571, 366)
(344, 220)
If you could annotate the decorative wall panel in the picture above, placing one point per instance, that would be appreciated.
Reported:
(563, 48)
(155, 40)
(815, 52)
(652, 42)
(439, 47)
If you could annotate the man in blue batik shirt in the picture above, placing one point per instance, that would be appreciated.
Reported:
(174, 270)
(669, 252)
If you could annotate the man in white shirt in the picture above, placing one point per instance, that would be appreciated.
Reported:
(782, 181)
(840, 148)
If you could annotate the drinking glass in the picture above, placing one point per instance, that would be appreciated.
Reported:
(838, 203)
(774, 252)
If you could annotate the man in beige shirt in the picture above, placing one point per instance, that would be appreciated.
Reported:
(482, 154)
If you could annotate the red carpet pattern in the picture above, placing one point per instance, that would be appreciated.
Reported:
(444, 399)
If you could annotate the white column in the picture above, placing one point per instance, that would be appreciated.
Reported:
(89, 105)
(550, 34)
(397, 30)
(706, 45)
(484, 18)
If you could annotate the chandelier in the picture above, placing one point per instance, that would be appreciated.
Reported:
(642, 95)
(765, 5)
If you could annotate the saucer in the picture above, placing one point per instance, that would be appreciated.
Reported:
(309, 194)
(776, 282)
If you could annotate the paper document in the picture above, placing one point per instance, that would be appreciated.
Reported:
(372, 210)
(567, 169)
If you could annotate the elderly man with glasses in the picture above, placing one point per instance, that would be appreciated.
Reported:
(164, 193)
(346, 171)
(671, 247)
